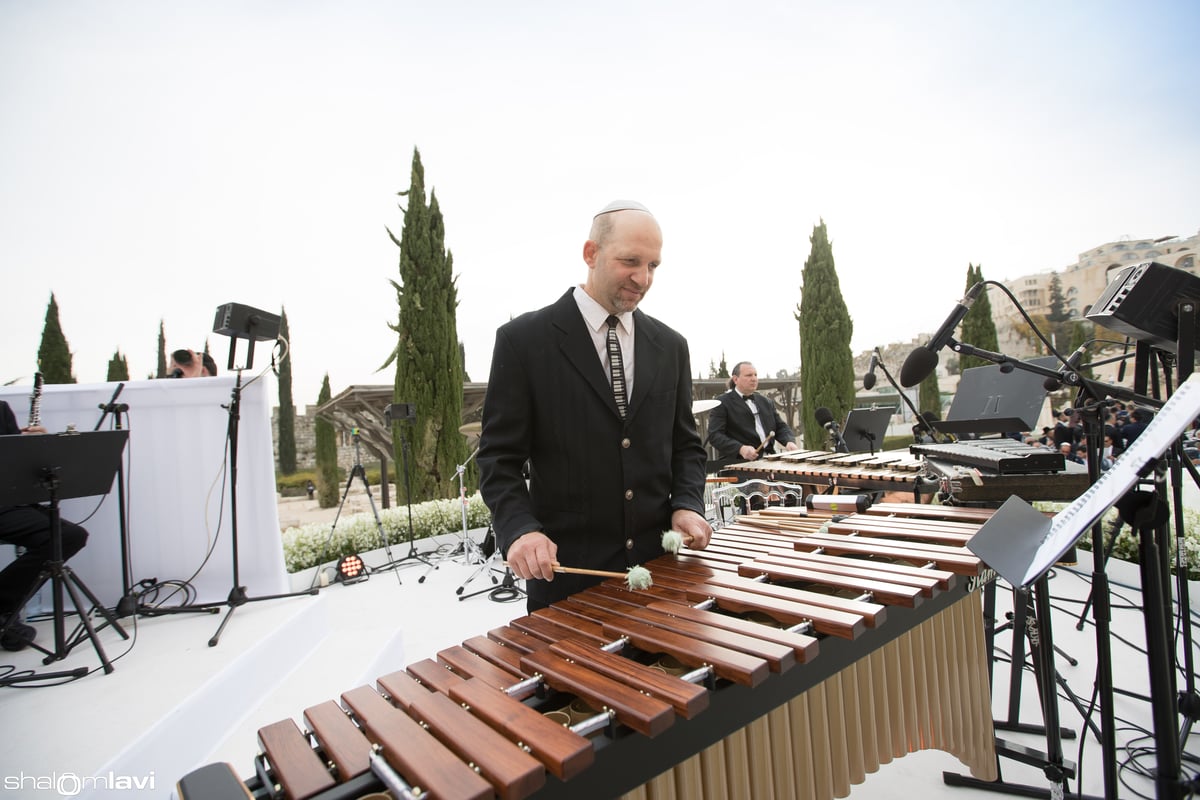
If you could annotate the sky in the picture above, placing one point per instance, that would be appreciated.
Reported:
(159, 160)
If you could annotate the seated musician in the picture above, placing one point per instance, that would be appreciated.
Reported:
(27, 527)
(738, 427)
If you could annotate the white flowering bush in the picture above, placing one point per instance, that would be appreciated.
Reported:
(1126, 547)
(309, 545)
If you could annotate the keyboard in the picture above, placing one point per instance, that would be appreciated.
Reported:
(998, 456)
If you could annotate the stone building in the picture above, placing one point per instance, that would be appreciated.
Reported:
(1082, 283)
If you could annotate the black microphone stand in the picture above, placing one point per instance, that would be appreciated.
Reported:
(392, 413)
(237, 594)
(922, 422)
(1097, 392)
(836, 442)
(127, 605)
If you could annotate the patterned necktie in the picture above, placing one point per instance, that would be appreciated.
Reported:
(615, 366)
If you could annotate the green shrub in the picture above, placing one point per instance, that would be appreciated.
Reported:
(309, 545)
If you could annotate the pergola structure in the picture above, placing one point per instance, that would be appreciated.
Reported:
(362, 409)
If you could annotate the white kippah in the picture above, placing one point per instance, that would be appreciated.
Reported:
(622, 205)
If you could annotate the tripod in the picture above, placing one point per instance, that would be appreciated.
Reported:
(50, 468)
(356, 471)
(467, 547)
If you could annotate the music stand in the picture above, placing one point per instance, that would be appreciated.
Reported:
(865, 427)
(48, 468)
(990, 399)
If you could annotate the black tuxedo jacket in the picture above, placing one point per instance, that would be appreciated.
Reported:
(731, 425)
(601, 487)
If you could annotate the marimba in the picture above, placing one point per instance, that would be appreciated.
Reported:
(795, 654)
(892, 471)
(902, 471)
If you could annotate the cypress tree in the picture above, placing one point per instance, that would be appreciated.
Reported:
(978, 327)
(54, 355)
(826, 363)
(929, 395)
(118, 367)
(429, 372)
(1082, 332)
(326, 443)
(287, 406)
(1058, 318)
(160, 370)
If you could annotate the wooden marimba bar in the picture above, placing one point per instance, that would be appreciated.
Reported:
(788, 659)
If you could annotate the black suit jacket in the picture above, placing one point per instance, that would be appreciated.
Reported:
(8, 420)
(731, 425)
(601, 487)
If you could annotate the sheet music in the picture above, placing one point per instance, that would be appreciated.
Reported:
(1166, 427)
(1018, 543)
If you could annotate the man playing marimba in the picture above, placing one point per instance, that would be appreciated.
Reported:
(594, 398)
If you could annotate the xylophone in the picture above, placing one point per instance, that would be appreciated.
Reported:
(902, 471)
(795, 654)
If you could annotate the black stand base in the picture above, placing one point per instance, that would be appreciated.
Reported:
(413, 555)
(238, 597)
(506, 592)
(61, 578)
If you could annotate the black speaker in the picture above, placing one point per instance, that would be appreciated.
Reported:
(1141, 303)
(244, 322)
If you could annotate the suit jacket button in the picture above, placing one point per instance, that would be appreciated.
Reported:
(625, 443)
(629, 494)
(629, 544)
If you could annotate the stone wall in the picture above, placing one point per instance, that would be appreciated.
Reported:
(306, 442)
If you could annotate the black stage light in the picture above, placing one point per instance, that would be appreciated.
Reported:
(351, 569)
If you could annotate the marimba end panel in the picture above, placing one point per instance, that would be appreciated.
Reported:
(213, 781)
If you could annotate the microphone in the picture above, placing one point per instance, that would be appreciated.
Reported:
(825, 417)
(1054, 383)
(176, 373)
(923, 360)
(869, 378)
